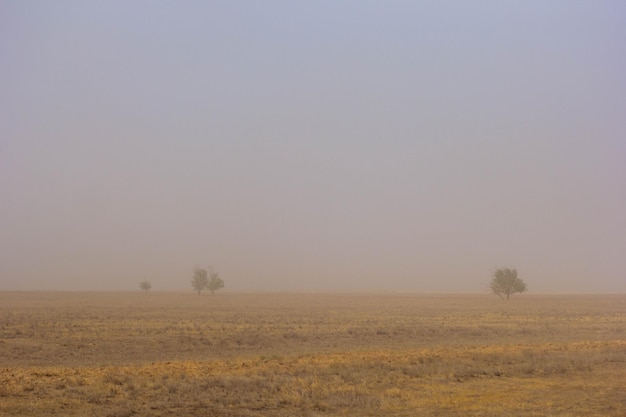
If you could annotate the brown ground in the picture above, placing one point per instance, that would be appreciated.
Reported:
(238, 354)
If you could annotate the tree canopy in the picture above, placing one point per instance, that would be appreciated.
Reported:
(145, 285)
(200, 280)
(505, 282)
(215, 282)
(206, 280)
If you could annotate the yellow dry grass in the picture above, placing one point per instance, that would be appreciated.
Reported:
(311, 355)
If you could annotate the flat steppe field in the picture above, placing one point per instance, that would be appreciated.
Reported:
(305, 354)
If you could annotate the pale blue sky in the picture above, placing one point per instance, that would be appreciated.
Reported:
(328, 145)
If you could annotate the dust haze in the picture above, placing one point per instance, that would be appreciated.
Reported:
(353, 146)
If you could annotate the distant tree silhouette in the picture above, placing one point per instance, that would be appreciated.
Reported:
(145, 285)
(215, 282)
(200, 280)
(505, 282)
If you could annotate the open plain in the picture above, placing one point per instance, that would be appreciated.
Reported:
(311, 354)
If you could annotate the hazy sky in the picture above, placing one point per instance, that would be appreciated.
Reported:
(323, 145)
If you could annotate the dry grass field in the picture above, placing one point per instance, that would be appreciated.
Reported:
(238, 354)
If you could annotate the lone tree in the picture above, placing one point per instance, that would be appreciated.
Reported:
(506, 282)
(215, 282)
(145, 285)
(200, 280)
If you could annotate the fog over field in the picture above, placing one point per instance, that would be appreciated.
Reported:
(352, 145)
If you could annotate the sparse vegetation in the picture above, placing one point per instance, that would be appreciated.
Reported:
(310, 355)
(145, 285)
(505, 282)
